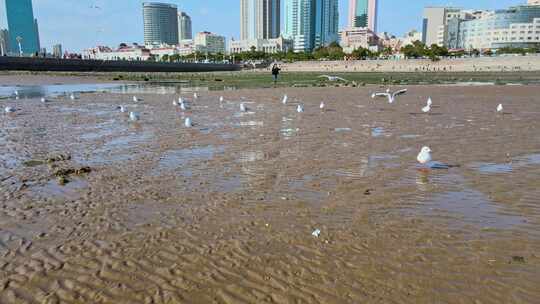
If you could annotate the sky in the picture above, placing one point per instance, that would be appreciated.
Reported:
(77, 26)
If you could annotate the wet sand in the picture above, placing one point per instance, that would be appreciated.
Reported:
(223, 212)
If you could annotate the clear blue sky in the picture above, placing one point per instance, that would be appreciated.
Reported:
(74, 24)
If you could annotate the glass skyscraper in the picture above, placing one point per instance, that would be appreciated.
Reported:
(185, 31)
(311, 23)
(22, 27)
(259, 19)
(363, 13)
(160, 23)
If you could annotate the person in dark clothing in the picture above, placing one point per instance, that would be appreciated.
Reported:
(275, 72)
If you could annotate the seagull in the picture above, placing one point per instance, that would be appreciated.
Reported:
(135, 99)
(180, 100)
(44, 100)
(391, 96)
(188, 123)
(174, 102)
(424, 158)
(316, 233)
(16, 93)
(429, 102)
(427, 108)
(243, 108)
(122, 109)
(9, 110)
(300, 108)
(500, 108)
(72, 96)
(221, 99)
(184, 106)
(134, 116)
(285, 98)
(322, 105)
(195, 96)
(333, 78)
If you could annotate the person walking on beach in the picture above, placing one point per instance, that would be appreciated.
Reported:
(275, 72)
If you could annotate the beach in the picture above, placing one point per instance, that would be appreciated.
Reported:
(95, 208)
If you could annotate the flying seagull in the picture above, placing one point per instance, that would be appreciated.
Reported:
(333, 78)
(391, 96)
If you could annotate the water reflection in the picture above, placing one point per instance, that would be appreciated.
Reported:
(64, 90)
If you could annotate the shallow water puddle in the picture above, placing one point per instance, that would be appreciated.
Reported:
(69, 191)
(175, 159)
(516, 163)
(472, 207)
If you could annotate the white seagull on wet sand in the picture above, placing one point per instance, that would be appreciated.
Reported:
(16, 93)
(122, 109)
(300, 108)
(44, 100)
(391, 96)
(188, 123)
(333, 78)
(285, 99)
(136, 99)
(175, 103)
(424, 158)
(195, 96)
(221, 99)
(9, 110)
(134, 116)
(427, 108)
(429, 102)
(243, 108)
(72, 96)
(500, 108)
(322, 106)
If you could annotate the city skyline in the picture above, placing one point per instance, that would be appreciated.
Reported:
(121, 21)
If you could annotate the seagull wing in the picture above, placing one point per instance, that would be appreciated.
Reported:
(400, 92)
(380, 95)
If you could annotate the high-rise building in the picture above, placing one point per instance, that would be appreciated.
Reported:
(4, 42)
(311, 23)
(23, 31)
(259, 19)
(36, 29)
(57, 51)
(363, 13)
(206, 42)
(160, 23)
(435, 20)
(185, 31)
(326, 22)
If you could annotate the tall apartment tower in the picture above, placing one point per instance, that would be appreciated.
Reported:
(185, 30)
(160, 23)
(363, 13)
(4, 42)
(22, 27)
(260, 19)
(311, 23)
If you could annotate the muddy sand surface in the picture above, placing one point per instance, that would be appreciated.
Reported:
(97, 209)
